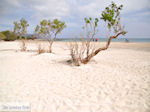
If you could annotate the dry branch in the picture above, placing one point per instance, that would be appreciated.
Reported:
(40, 49)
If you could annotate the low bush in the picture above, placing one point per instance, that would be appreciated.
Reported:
(10, 36)
(2, 36)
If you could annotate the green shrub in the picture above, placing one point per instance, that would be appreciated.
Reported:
(10, 36)
(2, 36)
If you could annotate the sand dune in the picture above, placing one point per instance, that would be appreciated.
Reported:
(116, 80)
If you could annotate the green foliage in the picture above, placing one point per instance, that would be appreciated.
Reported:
(37, 28)
(90, 27)
(43, 28)
(111, 15)
(20, 28)
(2, 36)
(24, 25)
(10, 36)
(50, 28)
(17, 27)
(91, 22)
(57, 26)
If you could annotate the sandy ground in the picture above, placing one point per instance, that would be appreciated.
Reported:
(116, 80)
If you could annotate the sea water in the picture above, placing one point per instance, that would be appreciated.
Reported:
(105, 39)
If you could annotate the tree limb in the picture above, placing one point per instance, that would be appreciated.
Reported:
(85, 60)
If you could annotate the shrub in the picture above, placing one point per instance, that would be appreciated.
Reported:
(10, 36)
(2, 36)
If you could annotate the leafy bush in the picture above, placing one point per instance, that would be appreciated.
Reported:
(2, 36)
(10, 36)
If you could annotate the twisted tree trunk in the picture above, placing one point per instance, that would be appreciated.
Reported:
(88, 58)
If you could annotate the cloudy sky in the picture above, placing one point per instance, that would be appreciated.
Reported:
(135, 14)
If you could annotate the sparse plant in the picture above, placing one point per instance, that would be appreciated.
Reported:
(80, 50)
(85, 52)
(75, 53)
(49, 30)
(40, 49)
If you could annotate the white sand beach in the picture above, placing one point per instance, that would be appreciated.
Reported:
(116, 80)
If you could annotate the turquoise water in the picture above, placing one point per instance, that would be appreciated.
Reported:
(105, 39)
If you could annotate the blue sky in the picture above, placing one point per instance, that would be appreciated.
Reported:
(135, 14)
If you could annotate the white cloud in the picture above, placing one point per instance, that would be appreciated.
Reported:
(50, 8)
(94, 7)
(7, 6)
(145, 13)
(43, 8)
(89, 10)
(73, 24)
(135, 5)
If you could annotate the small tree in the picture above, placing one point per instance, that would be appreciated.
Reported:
(49, 30)
(20, 29)
(17, 28)
(111, 15)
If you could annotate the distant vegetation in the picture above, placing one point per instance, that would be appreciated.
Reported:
(8, 36)
(2, 36)
(20, 29)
